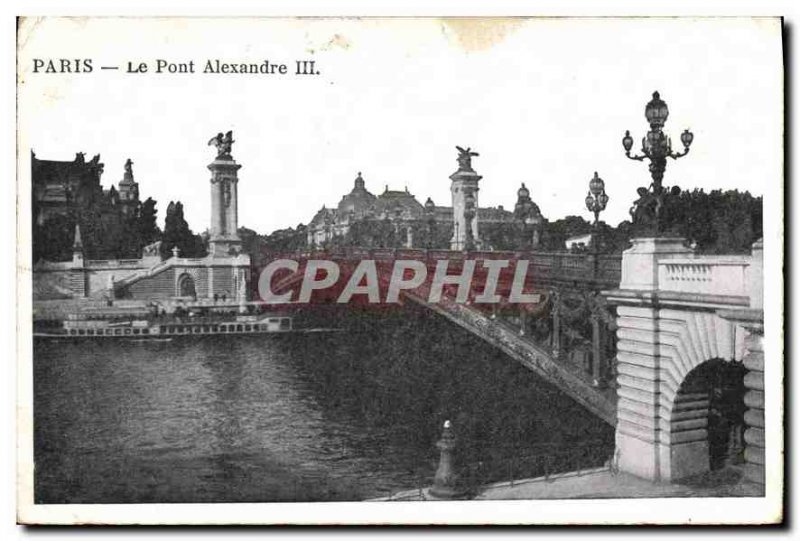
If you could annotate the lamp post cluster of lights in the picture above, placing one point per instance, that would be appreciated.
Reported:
(596, 201)
(656, 147)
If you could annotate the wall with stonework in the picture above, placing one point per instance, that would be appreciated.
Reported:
(59, 284)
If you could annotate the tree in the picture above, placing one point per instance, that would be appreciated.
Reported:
(555, 234)
(177, 233)
(719, 222)
(52, 241)
(147, 225)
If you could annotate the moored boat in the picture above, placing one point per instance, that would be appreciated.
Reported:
(78, 327)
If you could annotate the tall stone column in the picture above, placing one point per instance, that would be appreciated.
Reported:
(224, 236)
(464, 183)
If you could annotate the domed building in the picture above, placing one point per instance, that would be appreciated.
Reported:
(358, 202)
(396, 218)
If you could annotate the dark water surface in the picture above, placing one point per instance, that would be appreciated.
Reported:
(334, 416)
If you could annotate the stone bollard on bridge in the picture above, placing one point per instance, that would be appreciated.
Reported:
(446, 482)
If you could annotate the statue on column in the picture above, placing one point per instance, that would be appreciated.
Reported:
(465, 158)
(223, 144)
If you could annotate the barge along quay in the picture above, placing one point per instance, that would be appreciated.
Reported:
(108, 324)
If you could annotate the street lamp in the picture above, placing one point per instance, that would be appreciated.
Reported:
(530, 217)
(596, 198)
(430, 216)
(596, 201)
(656, 147)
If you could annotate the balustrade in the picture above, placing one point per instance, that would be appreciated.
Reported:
(705, 275)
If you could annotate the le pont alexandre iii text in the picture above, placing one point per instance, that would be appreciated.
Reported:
(160, 66)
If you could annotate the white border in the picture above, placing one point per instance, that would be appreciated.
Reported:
(507, 512)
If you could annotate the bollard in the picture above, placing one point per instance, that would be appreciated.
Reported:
(446, 484)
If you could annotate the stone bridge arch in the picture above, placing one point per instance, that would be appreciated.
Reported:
(677, 313)
(661, 418)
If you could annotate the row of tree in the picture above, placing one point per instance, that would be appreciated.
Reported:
(716, 222)
(115, 232)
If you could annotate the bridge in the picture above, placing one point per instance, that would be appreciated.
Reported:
(548, 337)
(630, 337)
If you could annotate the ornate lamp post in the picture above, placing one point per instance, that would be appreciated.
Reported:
(430, 218)
(469, 215)
(656, 147)
(596, 201)
(530, 217)
(596, 198)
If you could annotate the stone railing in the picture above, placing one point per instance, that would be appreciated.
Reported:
(724, 275)
(544, 266)
(113, 263)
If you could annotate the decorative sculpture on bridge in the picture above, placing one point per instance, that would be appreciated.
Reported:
(465, 158)
(223, 144)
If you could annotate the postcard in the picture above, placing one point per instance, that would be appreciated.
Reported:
(482, 270)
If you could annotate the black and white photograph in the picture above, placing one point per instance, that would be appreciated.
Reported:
(413, 270)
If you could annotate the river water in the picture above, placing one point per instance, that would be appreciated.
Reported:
(298, 417)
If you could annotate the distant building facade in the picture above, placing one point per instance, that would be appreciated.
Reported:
(61, 188)
(396, 218)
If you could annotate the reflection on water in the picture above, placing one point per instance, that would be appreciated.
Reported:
(335, 416)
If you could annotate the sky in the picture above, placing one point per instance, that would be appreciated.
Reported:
(543, 101)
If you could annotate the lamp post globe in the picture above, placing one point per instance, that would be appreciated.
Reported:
(686, 138)
(656, 111)
(627, 141)
(596, 185)
(589, 201)
(429, 205)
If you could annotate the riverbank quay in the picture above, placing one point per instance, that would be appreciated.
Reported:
(601, 482)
